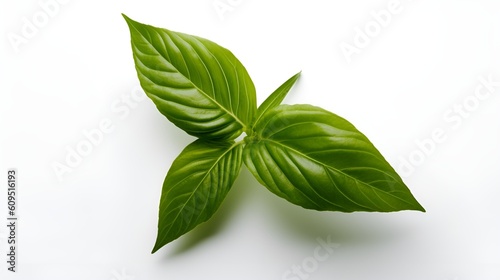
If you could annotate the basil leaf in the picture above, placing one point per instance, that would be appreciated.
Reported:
(198, 85)
(276, 97)
(195, 186)
(318, 160)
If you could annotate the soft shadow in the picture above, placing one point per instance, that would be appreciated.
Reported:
(344, 228)
(229, 207)
(299, 224)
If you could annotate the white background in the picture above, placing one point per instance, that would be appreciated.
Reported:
(99, 220)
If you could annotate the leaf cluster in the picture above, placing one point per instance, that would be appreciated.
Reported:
(302, 153)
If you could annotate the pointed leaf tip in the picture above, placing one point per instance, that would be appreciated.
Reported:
(127, 19)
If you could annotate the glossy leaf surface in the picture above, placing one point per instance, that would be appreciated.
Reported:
(318, 160)
(195, 186)
(198, 85)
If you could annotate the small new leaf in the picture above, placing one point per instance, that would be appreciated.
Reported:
(276, 97)
(318, 160)
(195, 186)
(198, 85)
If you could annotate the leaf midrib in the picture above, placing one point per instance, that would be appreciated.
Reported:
(328, 166)
(244, 126)
(200, 182)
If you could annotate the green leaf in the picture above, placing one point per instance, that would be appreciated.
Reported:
(198, 85)
(276, 97)
(195, 186)
(318, 160)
